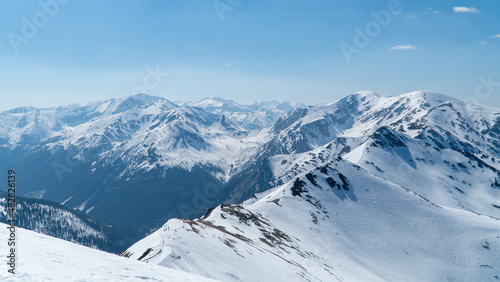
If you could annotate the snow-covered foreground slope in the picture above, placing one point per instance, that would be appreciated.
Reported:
(44, 258)
(337, 222)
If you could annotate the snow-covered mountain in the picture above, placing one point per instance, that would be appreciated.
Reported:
(368, 188)
(251, 116)
(112, 159)
(379, 163)
(44, 258)
(337, 222)
(418, 140)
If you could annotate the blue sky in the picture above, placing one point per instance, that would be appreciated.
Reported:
(57, 52)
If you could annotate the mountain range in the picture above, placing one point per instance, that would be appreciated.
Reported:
(135, 162)
(366, 188)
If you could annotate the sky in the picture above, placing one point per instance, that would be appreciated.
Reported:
(57, 52)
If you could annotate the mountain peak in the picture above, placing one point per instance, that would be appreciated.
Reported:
(356, 96)
(21, 110)
(138, 101)
(144, 97)
(429, 96)
(366, 93)
(213, 102)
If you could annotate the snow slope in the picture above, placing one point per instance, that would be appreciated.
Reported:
(337, 222)
(44, 258)
(433, 144)
(453, 178)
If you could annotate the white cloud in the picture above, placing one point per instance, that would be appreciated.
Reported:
(465, 10)
(483, 43)
(404, 47)
(495, 36)
(431, 11)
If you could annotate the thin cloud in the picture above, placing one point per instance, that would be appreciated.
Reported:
(495, 36)
(403, 47)
(431, 11)
(465, 10)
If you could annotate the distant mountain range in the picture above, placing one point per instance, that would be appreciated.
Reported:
(134, 163)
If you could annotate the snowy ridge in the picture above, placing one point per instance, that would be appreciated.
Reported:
(450, 146)
(337, 222)
(356, 115)
(453, 178)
